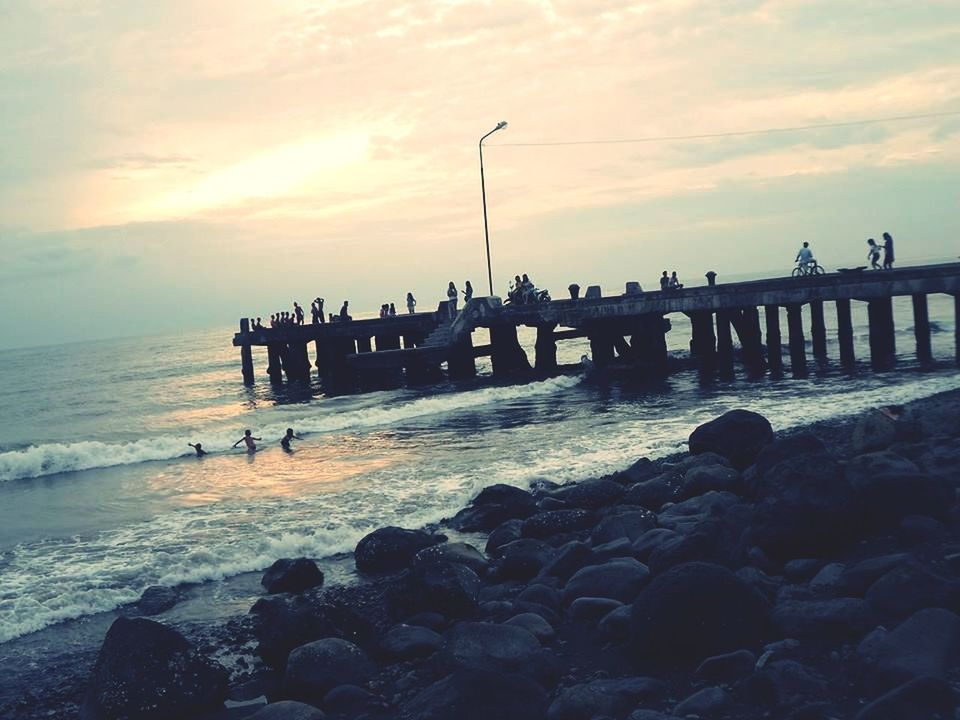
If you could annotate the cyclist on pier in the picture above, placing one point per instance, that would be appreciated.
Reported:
(805, 257)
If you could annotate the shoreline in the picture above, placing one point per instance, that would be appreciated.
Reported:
(233, 636)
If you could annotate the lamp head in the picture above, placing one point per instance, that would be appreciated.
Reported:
(501, 125)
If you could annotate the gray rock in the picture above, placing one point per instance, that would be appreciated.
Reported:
(700, 480)
(619, 548)
(620, 579)
(157, 599)
(647, 543)
(802, 569)
(591, 610)
(523, 559)
(291, 575)
(443, 587)
(535, 625)
(501, 648)
(830, 580)
(391, 548)
(630, 524)
(726, 668)
(288, 710)
(793, 684)
(591, 494)
(406, 642)
(461, 553)
(914, 700)
(505, 533)
(492, 507)
(910, 587)
(890, 487)
(649, 715)
(542, 595)
(925, 645)
(874, 431)
(834, 619)
(602, 697)
(862, 575)
(317, 667)
(568, 559)
(709, 702)
(352, 701)
(615, 625)
(547, 524)
(478, 695)
(738, 435)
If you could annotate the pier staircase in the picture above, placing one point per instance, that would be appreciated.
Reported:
(441, 337)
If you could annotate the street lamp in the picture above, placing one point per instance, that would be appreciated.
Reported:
(483, 191)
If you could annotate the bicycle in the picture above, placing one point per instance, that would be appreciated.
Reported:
(810, 268)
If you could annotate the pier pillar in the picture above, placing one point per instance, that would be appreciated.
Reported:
(724, 346)
(649, 345)
(318, 357)
(798, 344)
(364, 345)
(461, 364)
(506, 355)
(338, 374)
(413, 339)
(275, 362)
(387, 342)
(601, 345)
(546, 349)
(883, 348)
(845, 335)
(818, 330)
(301, 358)
(771, 315)
(747, 324)
(921, 329)
(246, 355)
(703, 343)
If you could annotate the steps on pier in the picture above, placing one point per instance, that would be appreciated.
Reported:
(441, 336)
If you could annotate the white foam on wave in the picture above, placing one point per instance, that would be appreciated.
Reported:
(54, 458)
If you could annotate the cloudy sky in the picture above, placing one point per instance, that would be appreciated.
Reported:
(177, 164)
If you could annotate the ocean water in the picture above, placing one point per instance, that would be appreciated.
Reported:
(100, 496)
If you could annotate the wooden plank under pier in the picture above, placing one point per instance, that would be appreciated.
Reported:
(345, 352)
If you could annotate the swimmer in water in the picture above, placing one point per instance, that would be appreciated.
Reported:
(248, 438)
(199, 448)
(285, 440)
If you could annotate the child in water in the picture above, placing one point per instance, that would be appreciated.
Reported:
(248, 438)
(285, 440)
(199, 449)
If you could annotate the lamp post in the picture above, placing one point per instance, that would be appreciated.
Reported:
(483, 192)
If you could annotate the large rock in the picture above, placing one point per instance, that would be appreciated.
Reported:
(292, 575)
(288, 710)
(694, 611)
(890, 487)
(910, 587)
(920, 699)
(391, 548)
(148, 670)
(602, 697)
(316, 668)
(656, 491)
(873, 431)
(620, 579)
(458, 552)
(709, 702)
(157, 599)
(591, 494)
(927, 644)
(472, 694)
(568, 559)
(285, 622)
(726, 668)
(443, 587)
(738, 435)
(485, 646)
(494, 505)
(407, 642)
(533, 624)
(553, 522)
(832, 620)
(630, 523)
(524, 558)
(503, 534)
(699, 480)
(801, 443)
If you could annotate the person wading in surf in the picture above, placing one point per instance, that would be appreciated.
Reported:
(198, 448)
(285, 440)
(248, 438)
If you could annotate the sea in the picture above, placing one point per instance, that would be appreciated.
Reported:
(101, 497)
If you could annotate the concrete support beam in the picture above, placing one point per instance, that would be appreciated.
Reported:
(747, 324)
(921, 329)
(461, 363)
(364, 345)
(883, 348)
(845, 335)
(246, 355)
(601, 345)
(505, 351)
(338, 375)
(546, 349)
(387, 342)
(649, 345)
(771, 315)
(412, 340)
(724, 346)
(703, 343)
(275, 362)
(818, 330)
(798, 344)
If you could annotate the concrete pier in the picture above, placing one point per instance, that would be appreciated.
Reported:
(546, 349)
(747, 324)
(506, 354)
(771, 315)
(798, 343)
(703, 343)
(818, 330)
(724, 346)
(845, 335)
(882, 342)
(921, 328)
(246, 355)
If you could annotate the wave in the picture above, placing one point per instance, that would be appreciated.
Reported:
(54, 458)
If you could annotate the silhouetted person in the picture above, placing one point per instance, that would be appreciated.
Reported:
(452, 296)
(259, 325)
(248, 439)
(411, 303)
(664, 281)
(873, 254)
(320, 309)
(298, 311)
(675, 281)
(344, 311)
(384, 310)
(315, 314)
(198, 448)
(392, 311)
(285, 440)
(273, 321)
(805, 256)
(467, 292)
(887, 251)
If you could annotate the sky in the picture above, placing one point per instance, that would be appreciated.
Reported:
(176, 165)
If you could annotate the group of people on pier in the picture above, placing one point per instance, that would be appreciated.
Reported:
(671, 282)
(522, 290)
(873, 254)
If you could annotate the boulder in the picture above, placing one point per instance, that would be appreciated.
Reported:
(830, 620)
(699, 480)
(524, 558)
(738, 435)
(647, 543)
(642, 469)
(785, 448)
(535, 625)
(501, 494)
(157, 599)
(910, 587)
(590, 610)
(503, 534)
(448, 588)
(283, 623)
(408, 642)
(706, 703)
(547, 524)
(485, 646)
(350, 701)
(494, 505)
(644, 714)
(858, 578)
(568, 560)
(889, 487)
(591, 494)
(150, 671)
(458, 552)
(619, 548)
(317, 667)
(472, 694)
(291, 575)
(629, 523)
(873, 431)
(615, 625)
(694, 611)
(603, 697)
(655, 492)
(542, 595)
(726, 668)
(830, 580)
(927, 644)
(288, 710)
(919, 699)
(391, 548)
(620, 579)
(790, 684)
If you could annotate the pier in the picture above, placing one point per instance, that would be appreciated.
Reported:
(627, 329)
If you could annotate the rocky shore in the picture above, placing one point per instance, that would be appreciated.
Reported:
(810, 574)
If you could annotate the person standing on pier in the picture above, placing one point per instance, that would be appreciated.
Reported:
(411, 303)
(298, 313)
(873, 254)
(315, 314)
(467, 292)
(452, 296)
(887, 251)
(392, 312)
(664, 281)
(320, 310)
